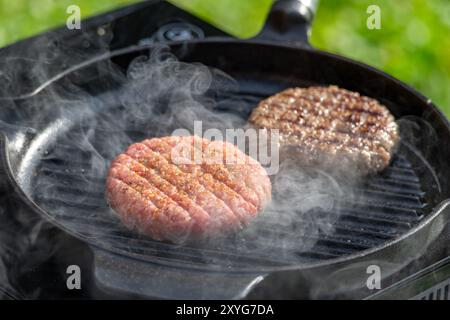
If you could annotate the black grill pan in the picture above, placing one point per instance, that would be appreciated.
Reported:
(393, 219)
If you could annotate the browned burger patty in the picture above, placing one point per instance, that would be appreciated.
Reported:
(177, 188)
(331, 127)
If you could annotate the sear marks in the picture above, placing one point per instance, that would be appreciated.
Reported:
(330, 127)
(181, 188)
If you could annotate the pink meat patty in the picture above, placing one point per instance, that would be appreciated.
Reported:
(180, 188)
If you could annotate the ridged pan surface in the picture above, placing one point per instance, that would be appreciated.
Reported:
(63, 169)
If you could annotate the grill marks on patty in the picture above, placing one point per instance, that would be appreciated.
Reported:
(223, 173)
(320, 122)
(171, 201)
(184, 182)
(233, 200)
(167, 189)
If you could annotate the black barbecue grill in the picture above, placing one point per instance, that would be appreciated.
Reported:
(390, 220)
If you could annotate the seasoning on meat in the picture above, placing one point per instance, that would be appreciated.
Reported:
(330, 127)
(167, 199)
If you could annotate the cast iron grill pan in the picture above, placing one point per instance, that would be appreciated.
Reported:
(390, 221)
(387, 205)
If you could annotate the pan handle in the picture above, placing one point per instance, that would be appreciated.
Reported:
(138, 278)
(289, 22)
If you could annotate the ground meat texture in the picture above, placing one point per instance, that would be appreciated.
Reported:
(330, 127)
(182, 188)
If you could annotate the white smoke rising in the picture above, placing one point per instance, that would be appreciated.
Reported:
(156, 94)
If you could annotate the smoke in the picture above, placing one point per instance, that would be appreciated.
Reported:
(20, 232)
(74, 128)
(6, 250)
(26, 70)
(304, 208)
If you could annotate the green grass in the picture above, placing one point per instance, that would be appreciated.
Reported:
(413, 43)
(22, 18)
(241, 18)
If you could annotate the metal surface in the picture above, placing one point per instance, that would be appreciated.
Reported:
(306, 8)
(289, 21)
(5, 295)
(432, 283)
(440, 291)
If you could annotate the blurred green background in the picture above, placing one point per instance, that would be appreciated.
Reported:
(413, 43)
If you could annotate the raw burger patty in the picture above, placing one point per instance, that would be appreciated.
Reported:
(157, 193)
(331, 127)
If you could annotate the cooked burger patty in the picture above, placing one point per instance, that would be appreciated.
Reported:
(178, 188)
(330, 127)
